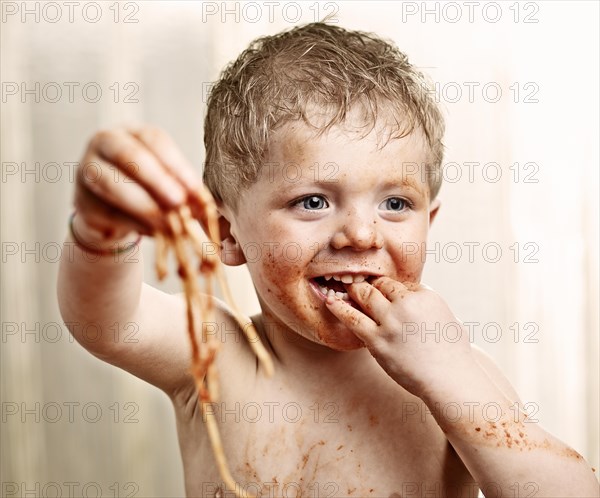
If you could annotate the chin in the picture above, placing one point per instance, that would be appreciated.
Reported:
(339, 340)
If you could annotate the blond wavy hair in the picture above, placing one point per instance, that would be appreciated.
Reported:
(283, 78)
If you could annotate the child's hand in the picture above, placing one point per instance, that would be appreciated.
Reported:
(127, 180)
(409, 329)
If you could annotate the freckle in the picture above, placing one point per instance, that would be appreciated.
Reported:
(477, 429)
(572, 453)
(521, 434)
(349, 427)
(340, 447)
(593, 469)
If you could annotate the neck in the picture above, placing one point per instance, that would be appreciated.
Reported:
(300, 355)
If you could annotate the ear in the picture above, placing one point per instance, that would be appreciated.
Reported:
(434, 208)
(231, 250)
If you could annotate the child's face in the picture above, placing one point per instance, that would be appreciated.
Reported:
(332, 205)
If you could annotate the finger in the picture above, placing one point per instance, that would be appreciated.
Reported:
(99, 178)
(137, 162)
(104, 218)
(166, 150)
(370, 299)
(389, 287)
(358, 323)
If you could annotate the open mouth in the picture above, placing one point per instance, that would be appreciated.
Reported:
(335, 285)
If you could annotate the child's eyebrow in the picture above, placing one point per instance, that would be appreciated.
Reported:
(405, 181)
(401, 181)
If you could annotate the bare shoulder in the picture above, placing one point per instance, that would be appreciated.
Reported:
(235, 362)
(158, 350)
(487, 363)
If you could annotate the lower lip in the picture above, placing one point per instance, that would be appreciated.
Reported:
(317, 290)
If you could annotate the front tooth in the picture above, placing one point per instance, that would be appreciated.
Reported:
(359, 278)
(347, 279)
(342, 295)
(336, 277)
(323, 290)
(330, 293)
(327, 277)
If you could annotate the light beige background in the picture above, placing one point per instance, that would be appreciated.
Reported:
(172, 54)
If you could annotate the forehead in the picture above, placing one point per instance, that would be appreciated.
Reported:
(348, 150)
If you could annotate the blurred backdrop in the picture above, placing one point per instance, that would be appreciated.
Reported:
(514, 249)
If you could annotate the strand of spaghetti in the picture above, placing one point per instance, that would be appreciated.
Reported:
(201, 363)
(210, 208)
(246, 325)
(212, 379)
(215, 439)
(208, 261)
(199, 311)
(186, 273)
(161, 243)
(209, 343)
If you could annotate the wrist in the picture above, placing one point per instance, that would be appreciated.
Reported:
(453, 380)
(95, 241)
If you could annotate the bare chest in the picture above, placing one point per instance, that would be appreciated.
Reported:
(317, 447)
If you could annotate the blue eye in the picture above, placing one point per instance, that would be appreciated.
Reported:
(314, 202)
(394, 204)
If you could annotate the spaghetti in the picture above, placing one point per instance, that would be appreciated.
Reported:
(185, 240)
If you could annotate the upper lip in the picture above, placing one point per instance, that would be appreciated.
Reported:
(366, 273)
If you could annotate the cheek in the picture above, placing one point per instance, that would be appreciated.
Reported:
(409, 257)
(277, 269)
(280, 280)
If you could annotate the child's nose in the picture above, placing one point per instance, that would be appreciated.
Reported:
(358, 232)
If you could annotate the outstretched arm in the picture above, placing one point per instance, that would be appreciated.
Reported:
(127, 182)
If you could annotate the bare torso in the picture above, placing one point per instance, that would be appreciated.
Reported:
(313, 434)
